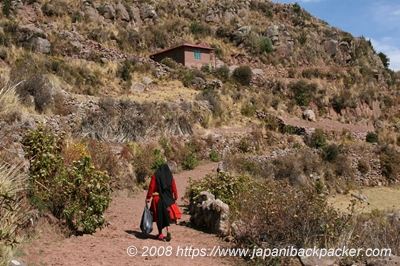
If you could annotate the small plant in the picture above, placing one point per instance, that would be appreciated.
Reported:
(303, 92)
(244, 145)
(169, 62)
(125, 70)
(372, 137)
(303, 38)
(6, 8)
(222, 73)
(158, 159)
(319, 186)
(331, 153)
(190, 160)
(214, 156)
(318, 139)
(363, 166)
(243, 75)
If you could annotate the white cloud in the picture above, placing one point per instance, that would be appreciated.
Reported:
(387, 15)
(392, 52)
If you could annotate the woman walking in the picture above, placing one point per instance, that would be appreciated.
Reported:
(163, 190)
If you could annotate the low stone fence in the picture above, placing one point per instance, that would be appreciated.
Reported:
(210, 213)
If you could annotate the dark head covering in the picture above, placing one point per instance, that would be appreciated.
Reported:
(164, 182)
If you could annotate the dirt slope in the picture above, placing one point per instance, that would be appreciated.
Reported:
(109, 246)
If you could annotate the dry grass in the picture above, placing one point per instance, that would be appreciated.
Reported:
(379, 198)
(165, 91)
(13, 210)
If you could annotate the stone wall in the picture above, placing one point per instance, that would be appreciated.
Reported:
(210, 213)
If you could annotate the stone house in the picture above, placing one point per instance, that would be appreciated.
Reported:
(189, 55)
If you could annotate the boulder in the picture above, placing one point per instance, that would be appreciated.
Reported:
(309, 115)
(91, 12)
(122, 12)
(41, 45)
(109, 12)
(147, 80)
(148, 11)
(331, 47)
(136, 86)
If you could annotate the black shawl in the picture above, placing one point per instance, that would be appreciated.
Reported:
(164, 182)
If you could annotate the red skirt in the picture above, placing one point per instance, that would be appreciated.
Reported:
(173, 210)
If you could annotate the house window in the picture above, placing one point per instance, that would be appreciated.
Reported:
(197, 55)
(176, 56)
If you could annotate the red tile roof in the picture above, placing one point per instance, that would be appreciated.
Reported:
(187, 45)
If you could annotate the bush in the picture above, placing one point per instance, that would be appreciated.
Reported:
(125, 70)
(390, 163)
(190, 160)
(79, 194)
(38, 87)
(224, 186)
(303, 92)
(331, 153)
(243, 75)
(6, 8)
(222, 73)
(244, 145)
(385, 59)
(158, 159)
(169, 62)
(371, 137)
(318, 139)
(284, 216)
(363, 166)
(214, 156)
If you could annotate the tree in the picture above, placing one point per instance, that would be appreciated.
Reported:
(385, 59)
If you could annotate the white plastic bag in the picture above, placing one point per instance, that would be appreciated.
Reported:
(146, 224)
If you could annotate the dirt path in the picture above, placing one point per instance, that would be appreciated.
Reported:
(109, 246)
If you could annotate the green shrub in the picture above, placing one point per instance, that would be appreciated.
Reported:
(79, 194)
(248, 110)
(214, 156)
(303, 38)
(303, 92)
(190, 160)
(390, 163)
(126, 70)
(169, 62)
(158, 159)
(372, 137)
(244, 145)
(199, 29)
(319, 186)
(6, 8)
(331, 153)
(286, 216)
(385, 59)
(318, 138)
(83, 196)
(224, 186)
(243, 75)
(222, 73)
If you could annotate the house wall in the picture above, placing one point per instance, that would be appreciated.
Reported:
(191, 62)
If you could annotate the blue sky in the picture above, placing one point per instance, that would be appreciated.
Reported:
(377, 20)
